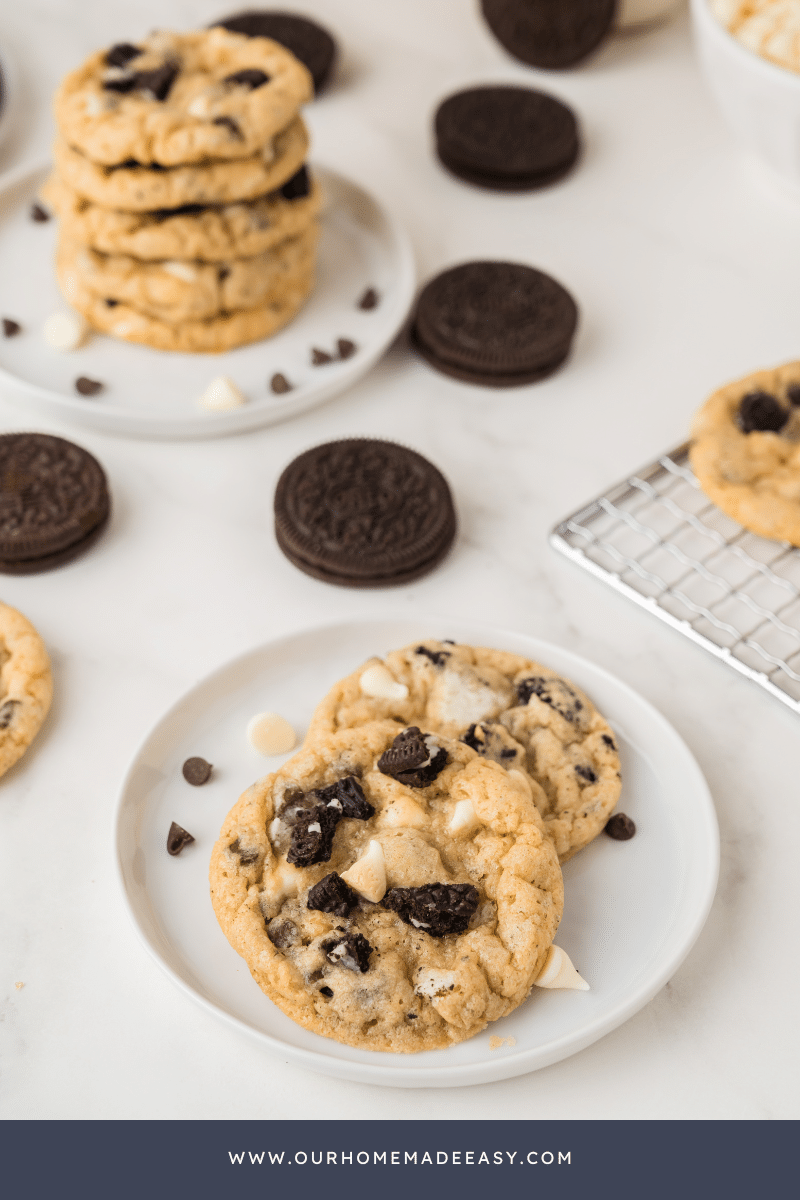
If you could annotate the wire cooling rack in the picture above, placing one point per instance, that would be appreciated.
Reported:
(658, 539)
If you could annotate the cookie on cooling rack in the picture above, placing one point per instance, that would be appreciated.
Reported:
(389, 889)
(745, 451)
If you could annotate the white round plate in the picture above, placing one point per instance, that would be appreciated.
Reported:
(633, 909)
(154, 393)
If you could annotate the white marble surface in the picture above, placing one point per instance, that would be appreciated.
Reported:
(685, 264)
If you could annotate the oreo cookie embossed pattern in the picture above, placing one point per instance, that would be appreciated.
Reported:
(494, 323)
(364, 513)
(54, 502)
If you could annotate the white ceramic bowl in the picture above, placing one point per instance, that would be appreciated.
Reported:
(759, 100)
(633, 13)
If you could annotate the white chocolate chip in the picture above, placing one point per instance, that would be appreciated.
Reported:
(94, 105)
(402, 811)
(521, 782)
(558, 972)
(274, 829)
(65, 330)
(285, 881)
(379, 682)
(270, 734)
(431, 982)
(220, 395)
(180, 270)
(464, 818)
(367, 875)
(200, 106)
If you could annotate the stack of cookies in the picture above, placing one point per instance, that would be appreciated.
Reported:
(188, 218)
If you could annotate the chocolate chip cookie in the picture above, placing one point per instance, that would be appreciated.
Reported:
(745, 451)
(26, 685)
(509, 709)
(178, 98)
(306, 39)
(389, 889)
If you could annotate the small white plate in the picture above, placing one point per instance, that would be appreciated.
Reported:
(154, 393)
(633, 909)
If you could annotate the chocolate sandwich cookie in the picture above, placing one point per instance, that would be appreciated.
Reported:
(506, 138)
(494, 323)
(304, 38)
(364, 513)
(549, 33)
(54, 502)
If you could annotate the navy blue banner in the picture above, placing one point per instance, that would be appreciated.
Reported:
(470, 1160)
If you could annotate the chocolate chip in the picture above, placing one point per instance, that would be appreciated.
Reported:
(326, 991)
(177, 838)
(437, 657)
(297, 187)
(197, 771)
(609, 741)
(761, 412)
(351, 951)
(410, 760)
(556, 693)
(411, 1016)
(332, 895)
(11, 328)
(250, 78)
(39, 214)
(793, 394)
(586, 773)
(280, 384)
(319, 357)
(471, 739)
(229, 124)
(508, 753)
(370, 299)
(435, 908)
(282, 933)
(312, 835)
(111, 303)
(346, 348)
(7, 713)
(620, 827)
(88, 387)
(121, 54)
(223, 273)
(347, 796)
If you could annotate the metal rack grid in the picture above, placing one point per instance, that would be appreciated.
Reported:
(659, 540)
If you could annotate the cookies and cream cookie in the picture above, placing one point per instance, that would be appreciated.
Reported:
(26, 685)
(181, 290)
(209, 336)
(514, 711)
(137, 188)
(389, 889)
(211, 233)
(745, 451)
(177, 98)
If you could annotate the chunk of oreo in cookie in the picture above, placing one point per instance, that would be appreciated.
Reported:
(306, 40)
(54, 502)
(364, 513)
(298, 186)
(312, 835)
(250, 78)
(437, 657)
(157, 82)
(553, 34)
(506, 138)
(121, 54)
(347, 797)
(496, 324)
(414, 759)
(554, 692)
(332, 895)
(436, 908)
(352, 950)
(761, 412)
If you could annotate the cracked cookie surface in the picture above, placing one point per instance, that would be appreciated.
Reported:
(26, 685)
(745, 451)
(332, 912)
(510, 709)
(176, 98)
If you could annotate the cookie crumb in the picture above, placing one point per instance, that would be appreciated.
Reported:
(19, 985)
(496, 1042)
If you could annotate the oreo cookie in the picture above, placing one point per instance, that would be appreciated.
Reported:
(549, 33)
(304, 38)
(54, 502)
(506, 138)
(364, 513)
(494, 323)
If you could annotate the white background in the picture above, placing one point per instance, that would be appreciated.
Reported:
(685, 263)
